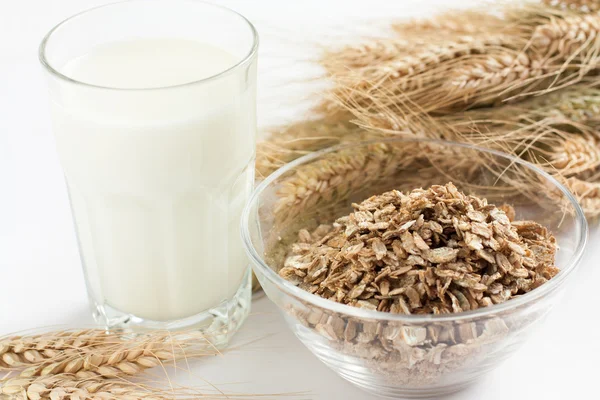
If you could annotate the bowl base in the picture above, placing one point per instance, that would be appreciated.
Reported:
(405, 393)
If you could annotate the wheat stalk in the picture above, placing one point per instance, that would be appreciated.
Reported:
(94, 364)
(581, 106)
(110, 354)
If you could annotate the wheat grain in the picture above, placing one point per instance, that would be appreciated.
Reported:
(378, 223)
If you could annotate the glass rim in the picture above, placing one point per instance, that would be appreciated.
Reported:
(242, 61)
(327, 304)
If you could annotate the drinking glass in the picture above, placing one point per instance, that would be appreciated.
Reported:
(157, 175)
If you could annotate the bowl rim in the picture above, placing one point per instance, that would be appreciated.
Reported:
(351, 311)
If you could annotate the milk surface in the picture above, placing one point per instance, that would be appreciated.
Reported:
(158, 167)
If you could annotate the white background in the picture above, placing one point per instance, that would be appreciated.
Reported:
(41, 282)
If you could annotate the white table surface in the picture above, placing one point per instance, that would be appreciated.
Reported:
(41, 282)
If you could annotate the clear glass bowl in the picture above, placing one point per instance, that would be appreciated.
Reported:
(406, 355)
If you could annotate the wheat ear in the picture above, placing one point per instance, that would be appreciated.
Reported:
(579, 104)
(109, 354)
(577, 5)
(464, 22)
(334, 175)
(587, 193)
(22, 351)
(287, 143)
(88, 385)
(84, 386)
(561, 53)
(386, 78)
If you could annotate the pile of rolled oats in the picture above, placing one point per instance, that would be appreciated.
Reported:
(434, 251)
(429, 251)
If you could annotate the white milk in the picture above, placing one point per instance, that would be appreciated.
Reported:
(158, 177)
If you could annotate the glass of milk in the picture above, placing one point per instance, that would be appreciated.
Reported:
(153, 108)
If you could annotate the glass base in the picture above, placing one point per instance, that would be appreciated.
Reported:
(217, 324)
